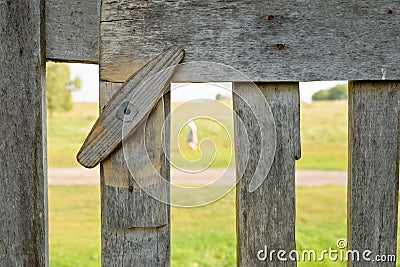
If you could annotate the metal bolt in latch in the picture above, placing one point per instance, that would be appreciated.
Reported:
(127, 111)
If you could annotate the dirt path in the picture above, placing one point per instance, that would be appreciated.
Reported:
(303, 177)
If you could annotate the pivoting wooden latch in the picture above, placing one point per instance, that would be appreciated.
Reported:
(129, 106)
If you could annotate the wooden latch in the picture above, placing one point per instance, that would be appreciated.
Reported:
(129, 106)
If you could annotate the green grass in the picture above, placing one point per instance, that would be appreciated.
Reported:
(323, 132)
(66, 133)
(74, 226)
(202, 236)
(323, 135)
(216, 149)
(321, 219)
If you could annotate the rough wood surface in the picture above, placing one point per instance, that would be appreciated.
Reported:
(135, 226)
(142, 91)
(266, 217)
(72, 30)
(373, 181)
(23, 166)
(291, 40)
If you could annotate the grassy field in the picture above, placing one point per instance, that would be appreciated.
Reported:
(323, 130)
(216, 149)
(323, 135)
(66, 133)
(200, 236)
(74, 226)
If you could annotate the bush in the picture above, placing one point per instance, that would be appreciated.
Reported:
(339, 92)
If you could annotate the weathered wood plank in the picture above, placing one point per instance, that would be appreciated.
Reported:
(291, 40)
(266, 217)
(135, 226)
(23, 165)
(129, 107)
(373, 180)
(72, 30)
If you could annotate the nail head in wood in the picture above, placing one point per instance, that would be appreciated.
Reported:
(280, 46)
(127, 111)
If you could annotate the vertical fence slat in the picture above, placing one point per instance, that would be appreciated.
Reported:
(266, 217)
(135, 226)
(23, 163)
(373, 180)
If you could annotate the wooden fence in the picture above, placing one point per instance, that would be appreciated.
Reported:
(275, 43)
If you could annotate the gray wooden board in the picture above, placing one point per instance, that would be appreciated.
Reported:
(72, 30)
(136, 247)
(141, 92)
(267, 215)
(23, 163)
(135, 226)
(322, 40)
(373, 168)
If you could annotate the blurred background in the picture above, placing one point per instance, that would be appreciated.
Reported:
(202, 236)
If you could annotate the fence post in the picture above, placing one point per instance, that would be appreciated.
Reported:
(373, 180)
(23, 163)
(266, 217)
(135, 226)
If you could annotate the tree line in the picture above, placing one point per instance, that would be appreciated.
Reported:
(339, 92)
(59, 86)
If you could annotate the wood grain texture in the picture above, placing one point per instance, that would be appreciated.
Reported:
(135, 226)
(142, 91)
(267, 215)
(23, 165)
(373, 180)
(72, 30)
(266, 40)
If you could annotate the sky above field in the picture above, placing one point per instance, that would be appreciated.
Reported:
(90, 89)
